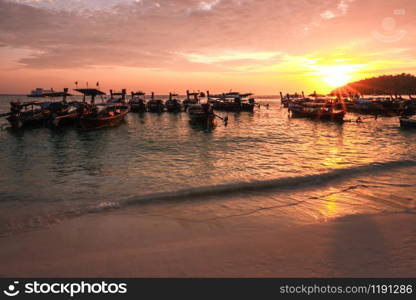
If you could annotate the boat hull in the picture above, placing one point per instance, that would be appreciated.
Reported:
(232, 106)
(173, 106)
(138, 107)
(65, 120)
(321, 115)
(205, 120)
(22, 121)
(89, 122)
(407, 123)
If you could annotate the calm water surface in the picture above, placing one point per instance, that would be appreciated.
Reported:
(49, 174)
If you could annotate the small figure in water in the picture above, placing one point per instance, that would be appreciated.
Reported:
(359, 120)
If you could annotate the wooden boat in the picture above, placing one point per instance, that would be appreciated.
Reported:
(103, 115)
(202, 114)
(387, 106)
(155, 105)
(66, 116)
(191, 98)
(96, 116)
(173, 104)
(407, 123)
(120, 99)
(137, 102)
(316, 112)
(62, 112)
(28, 114)
(232, 101)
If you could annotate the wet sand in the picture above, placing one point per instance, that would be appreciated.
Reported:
(125, 243)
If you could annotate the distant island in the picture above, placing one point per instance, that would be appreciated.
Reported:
(401, 84)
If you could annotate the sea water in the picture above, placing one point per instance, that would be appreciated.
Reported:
(298, 170)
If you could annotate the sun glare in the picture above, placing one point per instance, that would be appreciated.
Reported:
(336, 76)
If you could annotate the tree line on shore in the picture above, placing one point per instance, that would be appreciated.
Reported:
(401, 84)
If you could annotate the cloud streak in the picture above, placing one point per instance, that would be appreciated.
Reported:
(196, 35)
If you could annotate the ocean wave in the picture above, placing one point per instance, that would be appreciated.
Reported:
(285, 183)
(292, 184)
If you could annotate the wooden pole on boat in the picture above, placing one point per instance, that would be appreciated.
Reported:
(187, 95)
(65, 94)
(123, 97)
(111, 94)
(153, 95)
(208, 96)
(303, 95)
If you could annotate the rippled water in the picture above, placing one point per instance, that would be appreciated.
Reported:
(46, 173)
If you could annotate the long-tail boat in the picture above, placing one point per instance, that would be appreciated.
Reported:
(191, 98)
(27, 114)
(202, 114)
(406, 122)
(96, 116)
(173, 104)
(232, 101)
(288, 98)
(316, 111)
(138, 102)
(155, 105)
(387, 106)
(115, 99)
(62, 112)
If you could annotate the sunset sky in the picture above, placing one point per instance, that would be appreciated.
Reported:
(261, 46)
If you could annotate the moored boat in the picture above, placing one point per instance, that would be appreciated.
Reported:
(316, 112)
(155, 105)
(201, 114)
(115, 99)
(62, 112)
(27, 114)
(173, 104)
(407, 123)
(101, 115)
(96, 116)
(232, 101)
(191, 98)
(138, 102)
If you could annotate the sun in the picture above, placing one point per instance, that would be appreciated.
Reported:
(336, 76)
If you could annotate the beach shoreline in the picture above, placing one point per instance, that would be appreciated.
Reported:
(126, 243)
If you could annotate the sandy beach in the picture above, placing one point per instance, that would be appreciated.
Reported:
(126, 243)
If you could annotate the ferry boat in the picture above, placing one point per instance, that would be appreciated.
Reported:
(38, 93)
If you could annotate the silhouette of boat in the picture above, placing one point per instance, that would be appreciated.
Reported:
(137, 102)
(173, 104)
(155, 105)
